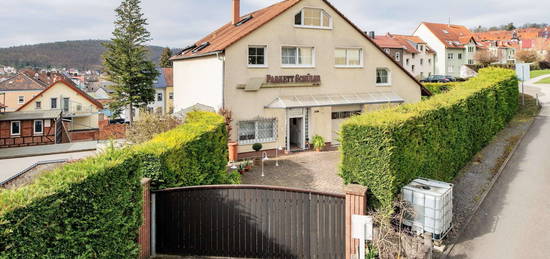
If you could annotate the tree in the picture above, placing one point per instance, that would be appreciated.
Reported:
(527, 56)
(485, 57)
(165, 58)
(126, 60)
(509, 27)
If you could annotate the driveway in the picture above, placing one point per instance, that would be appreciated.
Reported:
(307, 170)
(514, 219)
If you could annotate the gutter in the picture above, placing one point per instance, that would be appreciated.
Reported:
(217, 52)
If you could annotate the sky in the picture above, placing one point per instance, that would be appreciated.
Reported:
(178, 23)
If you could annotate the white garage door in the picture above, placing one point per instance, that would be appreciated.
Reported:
(339, 115)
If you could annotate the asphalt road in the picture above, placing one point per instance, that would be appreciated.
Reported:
(514, 219)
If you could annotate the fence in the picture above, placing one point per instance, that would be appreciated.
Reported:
(249, 221)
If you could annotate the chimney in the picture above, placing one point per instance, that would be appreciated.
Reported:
(236, 11)
(371, 34)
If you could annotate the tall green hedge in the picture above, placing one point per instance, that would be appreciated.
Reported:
(385, 150)
(439, 88)
(92, 208)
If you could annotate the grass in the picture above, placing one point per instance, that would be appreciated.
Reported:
(537, 73)
(544, 81)
(527, 112)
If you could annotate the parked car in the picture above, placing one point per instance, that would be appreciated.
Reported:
(451, 78)
(435, 79)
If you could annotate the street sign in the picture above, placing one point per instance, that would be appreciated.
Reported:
(361, 228)
(523, 71)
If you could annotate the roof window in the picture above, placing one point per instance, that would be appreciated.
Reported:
(244, 20)
(201, 47)
(445, 31)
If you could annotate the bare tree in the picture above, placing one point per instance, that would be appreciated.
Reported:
(485, 57)
(527, 56)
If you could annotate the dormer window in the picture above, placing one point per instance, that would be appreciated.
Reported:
(313, 18)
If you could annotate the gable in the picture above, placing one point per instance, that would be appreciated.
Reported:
(60, 89)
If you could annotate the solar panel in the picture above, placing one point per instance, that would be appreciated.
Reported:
(200, 47)
(244, 20)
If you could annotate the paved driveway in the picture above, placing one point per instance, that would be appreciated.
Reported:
(514, 219)
(307, 170)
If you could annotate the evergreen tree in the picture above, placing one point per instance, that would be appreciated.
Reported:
(126, 60)
(165, 58)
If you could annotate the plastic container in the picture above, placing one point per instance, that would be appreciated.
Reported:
(432, 202)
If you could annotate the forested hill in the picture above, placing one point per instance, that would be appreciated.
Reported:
(81, 54)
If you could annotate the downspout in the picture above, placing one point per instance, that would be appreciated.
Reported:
(222, 59)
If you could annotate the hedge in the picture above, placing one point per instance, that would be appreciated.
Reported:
(435, 138)
(439, 88)
(92, 208)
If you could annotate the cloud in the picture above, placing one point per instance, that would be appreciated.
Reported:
(177, 23)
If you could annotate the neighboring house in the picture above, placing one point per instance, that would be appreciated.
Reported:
(17, 90)
(81, 111)
(455, 46)
(169, 79)
(410, 51)
(163, 92)
(19, 129)
(284, 88)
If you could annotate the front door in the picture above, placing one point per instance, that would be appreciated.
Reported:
(296, 133)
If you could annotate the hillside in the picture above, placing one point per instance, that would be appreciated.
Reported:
(81, 54)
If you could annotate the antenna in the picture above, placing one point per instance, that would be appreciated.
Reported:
(449, 24)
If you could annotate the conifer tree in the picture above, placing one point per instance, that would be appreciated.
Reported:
(126, 60)
(165, 58)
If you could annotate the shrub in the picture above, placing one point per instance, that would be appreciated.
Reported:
(150, 125)
(439, 88)
(88, 209)
(257, 147)
(318, 142)
(194, 153)
(385, 150)
(527, 56)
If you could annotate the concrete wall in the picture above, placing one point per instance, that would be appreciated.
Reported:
(250, 105)
(198, 80)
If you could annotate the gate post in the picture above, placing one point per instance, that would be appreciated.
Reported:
(355, 204)
(144, 237)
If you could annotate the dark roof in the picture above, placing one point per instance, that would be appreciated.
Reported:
(21, 81)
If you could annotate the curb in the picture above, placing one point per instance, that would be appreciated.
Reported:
(446, 252)
(46, 154)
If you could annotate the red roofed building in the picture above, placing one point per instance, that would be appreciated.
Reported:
(288, 72)
(454, 44)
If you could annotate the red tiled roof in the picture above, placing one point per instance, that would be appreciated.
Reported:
(412, 38)
(21, 81)
(451, 35)
(228, 34)
(71, 85)
(386, 41)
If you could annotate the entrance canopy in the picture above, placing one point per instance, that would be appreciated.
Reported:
(303, 101)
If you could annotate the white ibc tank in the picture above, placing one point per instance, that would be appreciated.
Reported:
(432, 202)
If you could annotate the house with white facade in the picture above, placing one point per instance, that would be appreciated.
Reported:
(284, 88)
(454, 46)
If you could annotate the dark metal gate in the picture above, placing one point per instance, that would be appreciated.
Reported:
(249, 221)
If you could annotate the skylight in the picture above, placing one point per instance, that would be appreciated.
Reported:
(244, 20)
(202, 46)
(445, 31)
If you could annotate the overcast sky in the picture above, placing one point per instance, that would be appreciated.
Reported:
(176, 23)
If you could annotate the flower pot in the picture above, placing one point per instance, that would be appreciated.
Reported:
(317, 149)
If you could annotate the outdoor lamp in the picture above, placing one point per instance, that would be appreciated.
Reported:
(264, 158)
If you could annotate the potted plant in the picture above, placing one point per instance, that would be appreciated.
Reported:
(318, 143)
(247, 165)
(241, 168)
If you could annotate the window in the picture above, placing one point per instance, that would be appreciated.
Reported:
(430, 61)
(470, 62)
(459, 55)
(387, 51)
(412, 68)
(159, 97)
(15, 128)
(382, 76)
(348, 57)
(407, 62)
(450, 69)
(421, 75)
(397, 56)
(256, 56)
(38, 127)
(421, 47)
(421, 61)
(171, 96)
(344, 115)
(450, 56)
(413, 55)
(53, 103)
(313, 18)
(257, 131)
(297, 56)
(79, 107)
(66, 104)
(38, 105)
(21, 99)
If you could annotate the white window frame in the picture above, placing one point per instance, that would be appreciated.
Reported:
(11, 128)
(361, 57)
(21, 99)
(450, 56)
(34, 127)
(330, 27)
(397, 56)
(459, 55)
(161, 97)
(450, 69)
(389, 77)
(256, 130)
(313, 52)
(265, 56)
(51, 103)
(36, 106)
